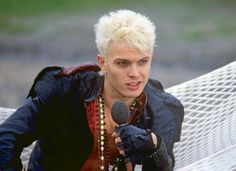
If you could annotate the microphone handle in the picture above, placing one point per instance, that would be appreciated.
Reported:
(129, 165)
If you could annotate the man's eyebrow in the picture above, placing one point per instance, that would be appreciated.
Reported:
(146, 57)
(121, 59)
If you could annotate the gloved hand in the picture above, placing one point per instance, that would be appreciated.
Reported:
(134, 140)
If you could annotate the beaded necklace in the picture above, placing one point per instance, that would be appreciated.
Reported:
(103, 140)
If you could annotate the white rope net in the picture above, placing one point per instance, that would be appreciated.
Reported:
(208, 139)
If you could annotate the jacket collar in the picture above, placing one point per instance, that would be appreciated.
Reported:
(94, 89)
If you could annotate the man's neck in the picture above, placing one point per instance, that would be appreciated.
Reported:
(110, 100)
(110, 97)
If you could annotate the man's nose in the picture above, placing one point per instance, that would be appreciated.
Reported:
(133, 71)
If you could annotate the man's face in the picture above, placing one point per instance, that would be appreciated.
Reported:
(126, 70)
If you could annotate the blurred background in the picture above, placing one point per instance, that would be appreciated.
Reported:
(194, 38)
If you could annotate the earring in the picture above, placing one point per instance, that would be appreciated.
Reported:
(105, 74)
(101, 73)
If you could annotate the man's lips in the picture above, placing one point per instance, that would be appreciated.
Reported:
(133, 85)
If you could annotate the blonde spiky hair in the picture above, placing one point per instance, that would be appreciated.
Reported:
(127, 26)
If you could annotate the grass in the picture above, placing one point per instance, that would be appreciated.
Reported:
(187, 14)
(36, 7)
(12, 10)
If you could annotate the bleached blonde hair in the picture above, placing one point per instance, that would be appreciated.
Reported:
(125, 26)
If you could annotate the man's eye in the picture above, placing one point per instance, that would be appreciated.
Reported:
(143, 62)
(122, 63)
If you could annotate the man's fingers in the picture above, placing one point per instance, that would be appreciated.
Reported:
(117, 140)
(115, 135)
(122, 152)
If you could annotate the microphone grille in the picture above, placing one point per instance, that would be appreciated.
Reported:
(120, 112)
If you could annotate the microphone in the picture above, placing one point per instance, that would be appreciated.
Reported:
(120, 114)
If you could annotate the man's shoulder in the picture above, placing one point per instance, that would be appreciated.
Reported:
(54, 82)
(157, 94)
(44, 79)
(155, 85)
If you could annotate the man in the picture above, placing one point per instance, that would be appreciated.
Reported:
(68, 110)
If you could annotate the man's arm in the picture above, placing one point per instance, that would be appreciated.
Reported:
(33, 120)
(17, 132)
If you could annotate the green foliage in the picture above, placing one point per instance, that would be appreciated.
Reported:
(186, 14)
(37, 7)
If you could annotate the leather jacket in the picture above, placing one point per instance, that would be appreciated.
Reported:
(54, 115)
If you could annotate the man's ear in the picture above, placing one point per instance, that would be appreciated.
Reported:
(101, 61)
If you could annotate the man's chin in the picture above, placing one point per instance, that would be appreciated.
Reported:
(133, 94)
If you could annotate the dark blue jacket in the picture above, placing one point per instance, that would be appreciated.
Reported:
(55, 116)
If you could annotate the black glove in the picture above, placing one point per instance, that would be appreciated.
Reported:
(135, 141)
